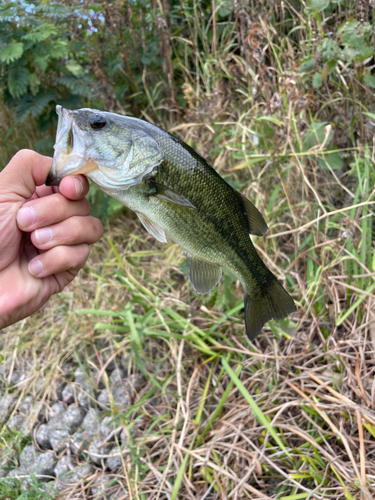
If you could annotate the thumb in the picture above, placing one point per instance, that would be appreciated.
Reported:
(26, 170)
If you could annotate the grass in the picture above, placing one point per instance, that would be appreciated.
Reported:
(290, 416)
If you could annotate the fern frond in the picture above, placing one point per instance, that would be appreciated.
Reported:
(18, 78)
(11, 52)
(33, 106)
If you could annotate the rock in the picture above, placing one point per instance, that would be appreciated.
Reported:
(68, 394)
(72, 418)
(127, 361)
(68, 370)
(103, 397)
(42, 436)
(17, 473)
(102, 443)
(6, 407)
(116, 460)
(101, 487)
(117, 375)
(74, 476)
(63, 466)
(16, 422)
(91, 418)
(91, 425)
(37, 412)
(44, 465)
(136, 382)
(3, 472)
(105, 357)
(57, 409)
(28, 456)
(24, 407)
(59, 439)
(57, 390)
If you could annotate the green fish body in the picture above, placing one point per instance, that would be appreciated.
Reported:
(179, 195)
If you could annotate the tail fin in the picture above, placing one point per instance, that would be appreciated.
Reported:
(276, 304)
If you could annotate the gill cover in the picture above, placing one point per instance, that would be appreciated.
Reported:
(115, 156)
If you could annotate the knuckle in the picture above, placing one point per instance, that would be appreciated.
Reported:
(24, 154)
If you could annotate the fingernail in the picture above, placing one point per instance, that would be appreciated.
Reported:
(26, 216)
(78, 185)
(43, 235)
(35, 267)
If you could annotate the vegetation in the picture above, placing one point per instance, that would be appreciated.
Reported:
(279, 97)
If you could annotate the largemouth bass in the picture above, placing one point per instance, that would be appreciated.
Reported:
(175, 193)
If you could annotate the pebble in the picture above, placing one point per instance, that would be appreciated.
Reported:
(17, 473)
(25, 405)
(44, 465)
(28, 456)
(72, 418)
(74, 476)
(63, 466)
(59, 439)
(57, 389)
(57, 409)
(117, 375)
(42, 436)
(68, 394)
(6, 407)
(101, 487)
(116, 460)
(16, 422)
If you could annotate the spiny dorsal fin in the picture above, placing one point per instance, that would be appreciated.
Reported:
(257, 224)
(203, 276)
(153, 228)
(168, 194)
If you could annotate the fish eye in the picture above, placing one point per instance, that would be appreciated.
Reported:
(97, 122)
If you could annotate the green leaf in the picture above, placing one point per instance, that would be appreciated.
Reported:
(307, 65)
(74, 67)
(317, 80)
(271, 119)
(315, 135)
(41, 33)
(331, 160)
(34, 83)
(34, 106)
(58, 49)
(369, 80)
(11, 52)
(42, 61)
(18, 78)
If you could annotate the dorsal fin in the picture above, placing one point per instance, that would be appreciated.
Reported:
(257, 224)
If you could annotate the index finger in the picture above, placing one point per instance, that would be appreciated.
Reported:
(74, 187)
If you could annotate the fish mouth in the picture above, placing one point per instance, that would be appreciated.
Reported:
(71, 142)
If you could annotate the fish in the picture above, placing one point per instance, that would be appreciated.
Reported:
(176, 194)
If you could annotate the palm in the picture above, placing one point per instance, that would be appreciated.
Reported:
(65, 216)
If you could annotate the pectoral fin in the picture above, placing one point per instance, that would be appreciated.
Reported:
(257, 224)
(168, 194)
(203, 276)
(153, 228)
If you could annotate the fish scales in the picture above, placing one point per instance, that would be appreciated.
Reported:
(176, 193)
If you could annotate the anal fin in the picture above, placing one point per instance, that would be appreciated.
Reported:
(203, 275)
(257, 224)
(153, 228)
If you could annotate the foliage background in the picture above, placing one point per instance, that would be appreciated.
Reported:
(279, 96)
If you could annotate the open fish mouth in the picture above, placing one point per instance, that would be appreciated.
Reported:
(112, 150)
(71, 144)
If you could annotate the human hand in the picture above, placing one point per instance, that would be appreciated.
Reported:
(44, 234)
